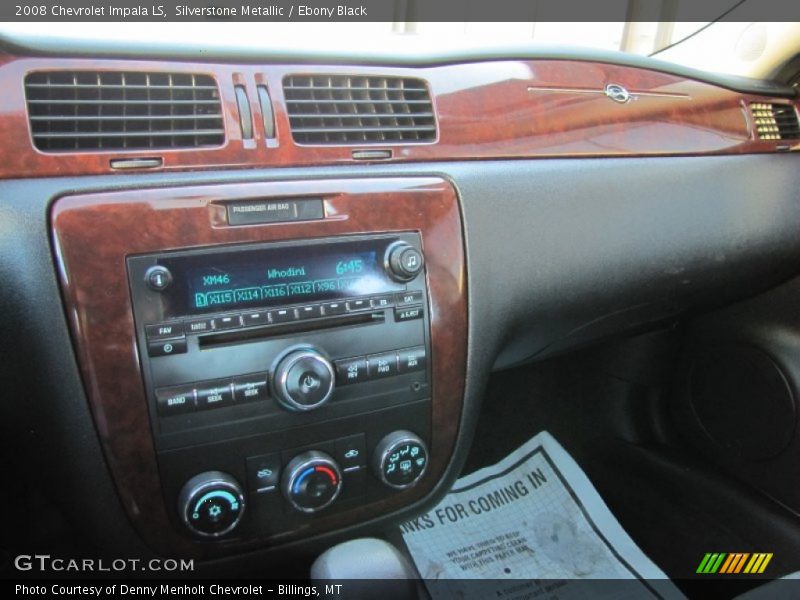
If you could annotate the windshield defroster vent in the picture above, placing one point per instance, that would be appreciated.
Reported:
(111, 110)
(775, 121)
(355, 110)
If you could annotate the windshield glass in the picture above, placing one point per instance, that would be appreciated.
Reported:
(634, 37)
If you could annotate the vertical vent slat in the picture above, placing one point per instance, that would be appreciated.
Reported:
(775, 121)
(356, 109)
(120, 110)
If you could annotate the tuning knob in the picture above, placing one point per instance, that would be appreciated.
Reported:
(311, 481)
(303, 380)
(403, 262)
(211, 504)
(400, 459)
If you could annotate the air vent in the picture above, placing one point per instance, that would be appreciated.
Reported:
(111, 110)
(775, 121)
(355, 110)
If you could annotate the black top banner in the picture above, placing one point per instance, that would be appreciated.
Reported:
(399, 10)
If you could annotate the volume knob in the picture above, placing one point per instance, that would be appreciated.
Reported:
(403, 262)
(303, 380)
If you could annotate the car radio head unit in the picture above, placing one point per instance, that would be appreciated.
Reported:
(273, 276)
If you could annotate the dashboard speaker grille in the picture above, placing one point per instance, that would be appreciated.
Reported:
(355, 110)
(114, 110)
(775, 121)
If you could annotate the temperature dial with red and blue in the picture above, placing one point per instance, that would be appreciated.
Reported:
(311, 481)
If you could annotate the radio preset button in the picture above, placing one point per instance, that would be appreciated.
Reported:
(409, 297)
(334, 308)
(213, 396)
(175, 400)
(250, 388)
(382, 365)
(199, 326)
(256, 318)
(412, 359)
(358, 304)
(166, 347)
(227, 322)
(408, 314)
(351, 370)
(311, 311)
(283, 315)
(160, 331)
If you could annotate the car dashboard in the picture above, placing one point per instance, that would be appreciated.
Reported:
(251, 304)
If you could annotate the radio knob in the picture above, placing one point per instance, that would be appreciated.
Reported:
(211, 504)
(403, 262)
(158, 278)
(311, 481)
(303, 380)
(400, 459)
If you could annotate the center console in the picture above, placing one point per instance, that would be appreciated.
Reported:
(267, 361)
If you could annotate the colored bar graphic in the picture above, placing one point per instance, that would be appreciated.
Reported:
(740, 562)
(703, 563)
(727, 564)
(734, 563)
(711, 562)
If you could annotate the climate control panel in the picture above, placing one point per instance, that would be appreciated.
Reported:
(282, 488)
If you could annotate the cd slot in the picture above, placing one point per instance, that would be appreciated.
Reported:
(282, 329)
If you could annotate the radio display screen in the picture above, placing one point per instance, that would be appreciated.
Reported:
(264, 277)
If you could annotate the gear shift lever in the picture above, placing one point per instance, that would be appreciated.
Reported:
(384, 571)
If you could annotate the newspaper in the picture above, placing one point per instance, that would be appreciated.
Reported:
(533, 516)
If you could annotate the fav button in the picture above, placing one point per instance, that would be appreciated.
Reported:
(160, 331)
